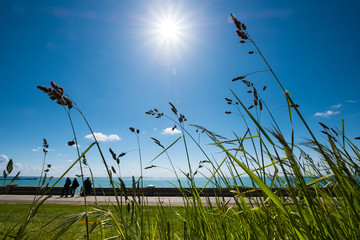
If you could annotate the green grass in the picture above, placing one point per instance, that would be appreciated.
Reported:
(51, 217)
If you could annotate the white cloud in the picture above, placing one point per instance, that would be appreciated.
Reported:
(351, 101)
(170, 131)
(18, 165)
(326, 114)
(337, 105)
(104, 138)
(40, 149)
(4, 158)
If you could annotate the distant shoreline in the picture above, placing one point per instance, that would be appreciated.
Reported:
(158, 182)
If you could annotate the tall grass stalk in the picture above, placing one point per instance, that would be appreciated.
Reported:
(292, 196)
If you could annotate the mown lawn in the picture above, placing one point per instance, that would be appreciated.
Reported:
(51, 218)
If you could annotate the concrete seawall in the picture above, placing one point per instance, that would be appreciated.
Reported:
(107, 191)
(146, 191)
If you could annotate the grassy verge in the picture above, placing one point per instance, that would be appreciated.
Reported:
(52, 217)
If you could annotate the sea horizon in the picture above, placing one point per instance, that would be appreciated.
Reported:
(152, 181)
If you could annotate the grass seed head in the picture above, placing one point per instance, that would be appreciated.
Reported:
(236, 21)
(173, 108)
(324, 126)
(45, 144)
(151, 166)
(238, 78)
(157, 142)
(68, 102)
(112, 154)
(44, 89)
(182, 118)
(10, 166)
(123, 188)
(243, 27)
(241, 34)
(57, 87)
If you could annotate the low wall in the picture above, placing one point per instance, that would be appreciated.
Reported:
(146, 191)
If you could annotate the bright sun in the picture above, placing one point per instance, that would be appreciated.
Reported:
(168, 30)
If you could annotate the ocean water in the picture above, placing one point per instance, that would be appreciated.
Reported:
(157, 182)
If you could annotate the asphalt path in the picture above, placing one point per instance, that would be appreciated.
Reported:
(166, 201)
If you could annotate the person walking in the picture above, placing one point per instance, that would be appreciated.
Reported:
(74, 185)
(86, 188)
(66, 188)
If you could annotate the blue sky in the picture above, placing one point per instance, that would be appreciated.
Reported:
(114, 59)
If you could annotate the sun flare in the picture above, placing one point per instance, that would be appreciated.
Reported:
(168, 30)
(168, 33)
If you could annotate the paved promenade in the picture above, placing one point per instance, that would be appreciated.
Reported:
(166, 201)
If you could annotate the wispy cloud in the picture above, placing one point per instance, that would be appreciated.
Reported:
(326, 114)
(351, 101)
(337, 105)
(40, 149)
(104, 138)
(4, 158)
(170, 131)
(18, 165)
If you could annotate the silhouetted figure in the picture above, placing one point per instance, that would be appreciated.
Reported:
(74, 185)
(66, 188)
(87, 187)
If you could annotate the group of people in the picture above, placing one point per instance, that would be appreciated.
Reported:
(70, 188)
